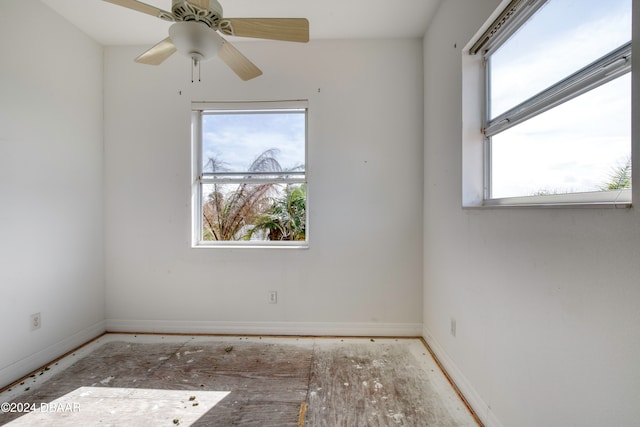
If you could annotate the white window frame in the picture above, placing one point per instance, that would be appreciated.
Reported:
(478, 127)
(200, 178)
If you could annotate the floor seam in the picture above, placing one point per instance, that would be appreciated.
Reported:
(306, 398)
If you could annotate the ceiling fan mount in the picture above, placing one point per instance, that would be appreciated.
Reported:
(196, 28)
(207, 12)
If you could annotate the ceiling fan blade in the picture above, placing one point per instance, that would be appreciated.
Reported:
(144, 8)
(240, 65)
(157, 54)
(285, 29)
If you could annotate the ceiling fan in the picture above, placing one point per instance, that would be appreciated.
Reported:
(195, 33)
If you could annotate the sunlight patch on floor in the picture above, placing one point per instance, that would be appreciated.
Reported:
(123, 406)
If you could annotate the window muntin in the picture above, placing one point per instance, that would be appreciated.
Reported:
(537, 143)
(250, 174)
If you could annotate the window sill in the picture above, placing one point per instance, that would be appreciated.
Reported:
(618, 199)
(251, 245)
(612, 205)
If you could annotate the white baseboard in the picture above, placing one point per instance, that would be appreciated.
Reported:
(479, 406)
(265, 328)
(19, 369)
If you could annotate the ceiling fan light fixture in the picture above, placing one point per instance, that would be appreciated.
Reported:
(195, 40)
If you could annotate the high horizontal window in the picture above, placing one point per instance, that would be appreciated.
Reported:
(249, 174)
(557, 116)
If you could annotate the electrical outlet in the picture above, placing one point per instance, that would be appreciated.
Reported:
(273, 297)
(453, 327)
(36, 321)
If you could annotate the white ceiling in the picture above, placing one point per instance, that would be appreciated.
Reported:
(109, 24)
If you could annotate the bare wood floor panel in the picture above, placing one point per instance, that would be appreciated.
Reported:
(344, 382)
(365, 385)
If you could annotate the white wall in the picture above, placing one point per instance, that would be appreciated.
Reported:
(546, 300)
(363, 271)
(51, 242)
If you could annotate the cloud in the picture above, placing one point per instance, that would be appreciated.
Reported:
(548, 49)
(238, 139)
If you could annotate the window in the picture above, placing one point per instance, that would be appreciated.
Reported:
(249, 174)
(556, 119)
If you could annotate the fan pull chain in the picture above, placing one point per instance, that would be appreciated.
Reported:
(195, 65)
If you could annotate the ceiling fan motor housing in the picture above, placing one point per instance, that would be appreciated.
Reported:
(209, 12)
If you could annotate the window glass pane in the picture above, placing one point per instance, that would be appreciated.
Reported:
(561, 38)
(578, 146)
(237, 142)
(256, 212)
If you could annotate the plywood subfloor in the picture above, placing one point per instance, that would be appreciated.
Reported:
(138, 380)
